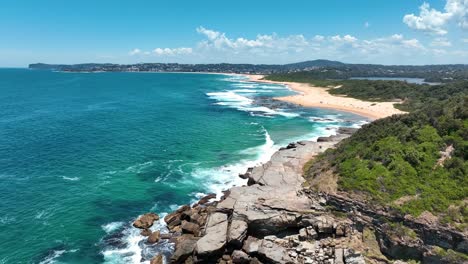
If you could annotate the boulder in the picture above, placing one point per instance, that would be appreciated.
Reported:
(145, 232)
(237, 232)
(172, 220)
(324, 224)
(240, 257)
(273, 253)
(207, 198)
(154, 237)
(158, 259)
(307, 233)
(251, 245)
(146, 221)
(183, 249)
(190, 228)
(325, 139)
(214, 240)
(246, 174)
(352, 257)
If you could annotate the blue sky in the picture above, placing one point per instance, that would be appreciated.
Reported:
(121, 31)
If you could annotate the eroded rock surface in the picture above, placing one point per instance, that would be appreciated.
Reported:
(275, 220)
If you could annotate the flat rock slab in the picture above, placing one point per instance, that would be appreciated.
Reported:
(285, 166)
(274, 253)
(215, 236)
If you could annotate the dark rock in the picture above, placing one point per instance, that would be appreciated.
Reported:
(173, 220)
(246, 174)
(190, 228)
(289, 146)
(324, 139)
(154, 237)
(183, 249)
(207, 198)
(255, 261)
(145, 232)
(146, 221)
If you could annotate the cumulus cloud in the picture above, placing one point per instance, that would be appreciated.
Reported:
(433, 21)
(174, 51)
(344, 39)
(216, 46)
(220, 41)
(162, 52)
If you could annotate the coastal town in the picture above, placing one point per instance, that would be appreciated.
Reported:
(322, 69)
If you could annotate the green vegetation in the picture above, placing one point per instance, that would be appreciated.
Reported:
(397, 157)
(450, 256)
(411, 96)
(396, 161)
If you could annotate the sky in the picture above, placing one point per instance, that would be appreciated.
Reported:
(214, 31)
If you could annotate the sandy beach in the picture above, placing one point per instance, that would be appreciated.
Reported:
(311, 96)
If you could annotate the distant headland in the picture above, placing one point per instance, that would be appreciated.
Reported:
(323, 69)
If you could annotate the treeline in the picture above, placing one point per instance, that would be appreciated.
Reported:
(410, 96)
(430, 73)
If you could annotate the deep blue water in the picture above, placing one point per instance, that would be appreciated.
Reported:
(83, 154)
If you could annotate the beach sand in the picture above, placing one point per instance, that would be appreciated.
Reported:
(311, 96)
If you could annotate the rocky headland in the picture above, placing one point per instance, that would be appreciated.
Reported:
(275, 219)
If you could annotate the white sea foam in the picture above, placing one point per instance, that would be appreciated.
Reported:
(243, 103)
(52, 258)
(70, 178)
(133, 252)
(221, 178)
(251, 91)
(111, 227)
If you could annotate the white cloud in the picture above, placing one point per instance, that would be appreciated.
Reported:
(441, 42)
(319, 38)
(215, 46)
(174, 51)
(134, 52)
(429, 20)
(367, 24)
(412, 43)
(433, 21)
(345, 38)
(459, 10)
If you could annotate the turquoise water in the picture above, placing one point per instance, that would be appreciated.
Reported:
(83, 154)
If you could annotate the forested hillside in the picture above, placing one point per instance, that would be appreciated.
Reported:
(414, 162)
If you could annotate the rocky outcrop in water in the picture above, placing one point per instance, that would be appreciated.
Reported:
(275, 220)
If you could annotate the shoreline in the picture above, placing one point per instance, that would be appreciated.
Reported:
(319, 97)
(248, 210)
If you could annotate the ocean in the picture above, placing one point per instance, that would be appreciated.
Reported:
(83, 154)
